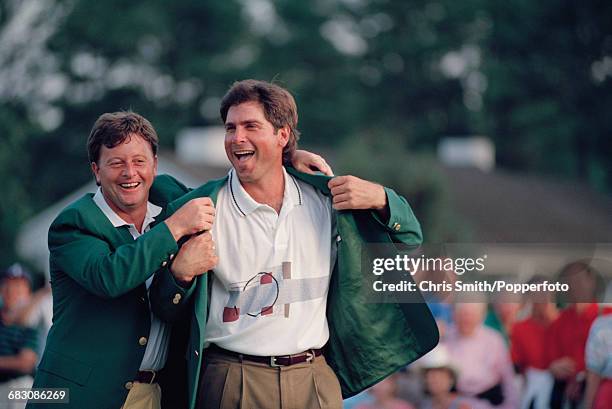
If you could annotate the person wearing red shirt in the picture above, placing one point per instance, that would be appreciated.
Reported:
(569, 333)
(528, 344)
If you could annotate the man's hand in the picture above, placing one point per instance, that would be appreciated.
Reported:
(195, 216)
(352, 193)
(562, 368)
(195, 258)
(308, 162)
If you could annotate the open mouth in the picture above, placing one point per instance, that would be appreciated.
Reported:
(130, 186)
(244, 154)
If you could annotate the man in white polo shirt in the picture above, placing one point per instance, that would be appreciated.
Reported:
(288, 251)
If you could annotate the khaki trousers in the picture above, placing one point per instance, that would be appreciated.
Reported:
(228, 383)
(143, 396)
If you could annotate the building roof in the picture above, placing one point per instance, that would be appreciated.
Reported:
(506, 207)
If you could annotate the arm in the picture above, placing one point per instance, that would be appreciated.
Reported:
(90, 260)
(592, 384)
(506, 370)
(172, 288)
(102, 270)
(169, 298)
(390, 210)
(308, 162)
(23, 362)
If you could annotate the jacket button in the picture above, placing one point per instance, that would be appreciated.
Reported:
(142, 341)
(176, 299)
(128, 385)
(196, 353)
(171, 256)
(338, 238)
(164, 263)
(397, 226)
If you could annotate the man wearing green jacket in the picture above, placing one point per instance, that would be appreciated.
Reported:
(110, 278)
(282, 315)
(105, 345)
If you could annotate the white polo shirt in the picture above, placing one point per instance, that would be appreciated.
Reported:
(159, 335)
(269, 290)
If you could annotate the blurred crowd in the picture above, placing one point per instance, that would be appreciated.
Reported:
(534, 352)
(25, 319)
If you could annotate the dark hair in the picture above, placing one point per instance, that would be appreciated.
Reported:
(112, 129)
(278, 105)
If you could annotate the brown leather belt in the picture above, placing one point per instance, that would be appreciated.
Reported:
(274, 361)
(146, 376)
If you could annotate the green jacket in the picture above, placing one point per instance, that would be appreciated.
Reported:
(367, 341)
(100, 304)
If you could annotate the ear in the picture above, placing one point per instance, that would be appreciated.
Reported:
(95, 169)
(155, 165)
(283, 136)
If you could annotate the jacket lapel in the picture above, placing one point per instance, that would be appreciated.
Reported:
(318, 181)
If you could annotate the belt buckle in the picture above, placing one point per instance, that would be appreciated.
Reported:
(273, 363)
(310, 356)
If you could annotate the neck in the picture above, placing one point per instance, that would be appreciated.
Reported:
(269, 191)
(131, 216)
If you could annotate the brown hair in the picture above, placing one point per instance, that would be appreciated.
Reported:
(112, 129)
(278, 105)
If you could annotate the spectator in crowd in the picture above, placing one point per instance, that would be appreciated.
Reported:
(440, 383)
(481, 358)
(17, 342)
(569, 332)
(598, 394)
(528, 344)
(503, 313)
(384, 395)
(38, 314)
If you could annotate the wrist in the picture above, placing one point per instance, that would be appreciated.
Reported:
(173, 230)
(184, 281)
(381, 203)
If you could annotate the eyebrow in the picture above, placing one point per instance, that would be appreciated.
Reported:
(246, 121)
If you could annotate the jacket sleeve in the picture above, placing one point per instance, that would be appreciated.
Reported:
(403, 226)
(102, 270)
(169, 300)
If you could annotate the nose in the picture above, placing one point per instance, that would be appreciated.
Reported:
(238, 136)
(129, 170)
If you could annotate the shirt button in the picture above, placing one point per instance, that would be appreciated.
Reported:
(176, 299)
(128, 385)
(142, 341)
(164, 263)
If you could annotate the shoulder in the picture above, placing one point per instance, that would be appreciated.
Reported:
(601, 324)
(76, 212)
(208, 189)
(166, 189)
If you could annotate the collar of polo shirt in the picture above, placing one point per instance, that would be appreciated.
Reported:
(246, 205)
(152, 212)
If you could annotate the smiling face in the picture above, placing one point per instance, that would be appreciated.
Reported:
(125, 174)
(252, 145)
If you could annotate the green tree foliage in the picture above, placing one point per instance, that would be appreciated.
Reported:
(534, 76)
(547, 103)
